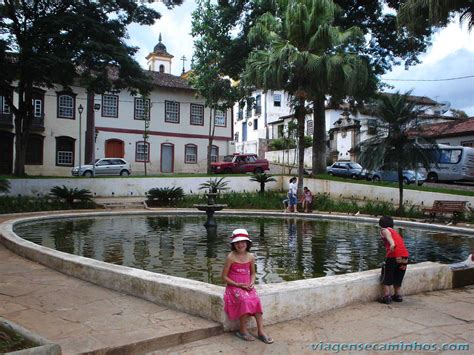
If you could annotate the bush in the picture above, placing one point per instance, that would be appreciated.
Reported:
(19, 204)
(69, 195)
(164, 196)
(214, 185)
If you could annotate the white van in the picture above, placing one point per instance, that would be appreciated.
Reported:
(454, 163)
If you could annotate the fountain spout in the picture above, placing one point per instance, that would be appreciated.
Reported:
(210, 208)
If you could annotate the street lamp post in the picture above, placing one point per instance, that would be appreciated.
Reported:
(80, 109)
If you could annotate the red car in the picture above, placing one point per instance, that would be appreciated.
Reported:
(240, 163)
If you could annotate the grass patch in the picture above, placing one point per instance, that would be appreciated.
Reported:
(11, 341)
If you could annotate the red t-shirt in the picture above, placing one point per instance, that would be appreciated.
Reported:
(400, 249)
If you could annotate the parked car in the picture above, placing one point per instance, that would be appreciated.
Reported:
(348, 169)
(409, 176)
(104, 166)
(240, 163)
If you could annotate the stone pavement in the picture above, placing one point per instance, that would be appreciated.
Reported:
(442, 317)
(82, 317)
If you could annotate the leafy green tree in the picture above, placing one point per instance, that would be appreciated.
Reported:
(45, 43)
(207, 76)
(262, 179)
(394, 145)
(299, 54)
(437, 12)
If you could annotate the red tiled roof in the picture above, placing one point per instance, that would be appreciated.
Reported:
(448, 129)
(169, 81)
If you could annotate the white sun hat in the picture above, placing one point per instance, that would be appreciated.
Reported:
(240, 234)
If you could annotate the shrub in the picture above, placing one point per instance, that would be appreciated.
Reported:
(164, 196)
(69, 195)
(214, 185)
(4, 185)
(262, 179)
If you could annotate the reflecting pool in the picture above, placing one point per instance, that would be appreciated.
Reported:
(286, 248)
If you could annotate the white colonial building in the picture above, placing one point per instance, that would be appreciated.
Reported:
(72, 127)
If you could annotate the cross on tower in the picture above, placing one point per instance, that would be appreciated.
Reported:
(183, 58)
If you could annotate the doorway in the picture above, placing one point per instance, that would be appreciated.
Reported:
(114, 148)
(167, 158)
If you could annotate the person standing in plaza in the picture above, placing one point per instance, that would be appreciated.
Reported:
(396, 261)
(292, 195)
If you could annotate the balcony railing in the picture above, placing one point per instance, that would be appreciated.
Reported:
(38, 124)
(6, 120)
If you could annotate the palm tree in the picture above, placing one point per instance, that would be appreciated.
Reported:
(438, 12)
(396, 143)
(262, 179)
(299, 51)
(4, 185)
(69, 195)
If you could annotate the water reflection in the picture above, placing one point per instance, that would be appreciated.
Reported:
(286, 249)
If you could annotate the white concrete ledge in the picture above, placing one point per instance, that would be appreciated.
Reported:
(281, 302)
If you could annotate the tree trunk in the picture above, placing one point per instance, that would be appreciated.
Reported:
(319, 136)
(300, 114)
(212, 128)
(262, 187)
(23, 122)
(400, 188)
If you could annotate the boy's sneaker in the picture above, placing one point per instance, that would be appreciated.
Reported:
(397, 298)
(385, 299)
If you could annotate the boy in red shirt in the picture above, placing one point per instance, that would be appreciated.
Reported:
(396, 261)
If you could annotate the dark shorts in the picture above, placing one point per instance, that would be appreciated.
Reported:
(394, 272)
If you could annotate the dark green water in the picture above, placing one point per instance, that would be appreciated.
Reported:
(286, 249)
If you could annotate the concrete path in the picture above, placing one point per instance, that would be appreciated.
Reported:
(442, 317)
(82, 317)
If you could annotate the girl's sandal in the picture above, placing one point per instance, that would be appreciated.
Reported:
(244, 336)
(266, 339)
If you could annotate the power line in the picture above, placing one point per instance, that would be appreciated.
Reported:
(446, 79)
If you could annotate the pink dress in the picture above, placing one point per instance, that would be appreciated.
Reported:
(238, 301)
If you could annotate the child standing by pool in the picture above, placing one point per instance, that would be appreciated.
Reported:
(240, 298)
(396, 261)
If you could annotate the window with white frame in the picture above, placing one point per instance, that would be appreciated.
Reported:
(110, 106)
(142, 108)
(309, 128)
(220, 118)
(172, 111)
(190, 154)
(64, 151)
(142, 150)
(37, 108)
(197, 114)
(277, 100)
(214, 153)
(66, 106)
(4, 107)
(467, 144)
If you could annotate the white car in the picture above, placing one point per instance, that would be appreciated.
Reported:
(105, 166)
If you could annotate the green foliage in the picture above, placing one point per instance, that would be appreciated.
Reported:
(165, 196)
(69, 195)
(262, 179)
(4, 185)
(11, 341)
(393, 145)
(19, 204)
(214, 185)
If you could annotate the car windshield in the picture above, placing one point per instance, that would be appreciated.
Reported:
(355, 166)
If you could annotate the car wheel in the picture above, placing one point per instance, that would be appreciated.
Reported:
(331, 173)
(124, 173)
(405, 181)
(420, 183)
(432, 177)
(227, 171)
(376, 178)
(87, 173)
(258, 170)
(354, 176)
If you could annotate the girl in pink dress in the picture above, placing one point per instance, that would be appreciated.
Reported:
(240, 298)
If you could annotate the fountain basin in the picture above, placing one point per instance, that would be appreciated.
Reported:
(205, 300)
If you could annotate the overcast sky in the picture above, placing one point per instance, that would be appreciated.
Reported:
(450, 56)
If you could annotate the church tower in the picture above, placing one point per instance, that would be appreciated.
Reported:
(160, 60)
